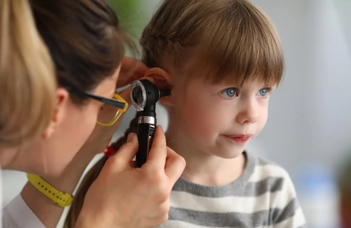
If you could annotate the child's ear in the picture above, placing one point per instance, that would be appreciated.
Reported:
(62, 97)
(162, 80)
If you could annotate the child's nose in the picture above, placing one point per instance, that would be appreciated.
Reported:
(249, 114)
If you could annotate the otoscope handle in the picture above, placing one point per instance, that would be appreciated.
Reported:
(145, 132)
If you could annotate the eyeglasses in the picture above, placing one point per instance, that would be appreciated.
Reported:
(112, 109)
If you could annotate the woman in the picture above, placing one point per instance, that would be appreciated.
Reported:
(59, 66)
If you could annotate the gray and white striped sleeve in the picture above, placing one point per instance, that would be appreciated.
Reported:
(285, 208)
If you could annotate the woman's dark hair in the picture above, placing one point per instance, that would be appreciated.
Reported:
(84, 40)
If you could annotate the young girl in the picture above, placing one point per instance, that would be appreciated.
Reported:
(221, 60)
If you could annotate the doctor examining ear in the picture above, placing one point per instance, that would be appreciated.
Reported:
(60, 65)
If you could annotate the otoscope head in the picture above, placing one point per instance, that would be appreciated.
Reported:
(144, 94)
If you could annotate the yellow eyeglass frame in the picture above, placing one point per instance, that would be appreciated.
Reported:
(118, 114)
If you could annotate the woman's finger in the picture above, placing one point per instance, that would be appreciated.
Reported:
(175, 165)
(131, 70)
(158, 152)
(125, 154)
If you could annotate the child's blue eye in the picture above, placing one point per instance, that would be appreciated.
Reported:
(230, 92)
(263, 92)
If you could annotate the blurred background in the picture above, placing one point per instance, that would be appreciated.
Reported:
(309, 128)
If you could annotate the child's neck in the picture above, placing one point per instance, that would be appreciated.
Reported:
(203, 168)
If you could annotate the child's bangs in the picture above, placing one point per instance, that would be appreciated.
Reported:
(239, 51)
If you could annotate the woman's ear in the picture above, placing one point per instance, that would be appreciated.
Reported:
(162, 80)
(62, 96)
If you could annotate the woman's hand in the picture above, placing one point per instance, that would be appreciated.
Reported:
(128, 197)
(131, 70)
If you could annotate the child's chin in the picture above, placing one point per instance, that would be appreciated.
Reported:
(230, 153)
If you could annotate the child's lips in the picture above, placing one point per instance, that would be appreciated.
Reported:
(239, 138)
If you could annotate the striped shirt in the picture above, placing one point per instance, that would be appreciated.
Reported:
(263, 196)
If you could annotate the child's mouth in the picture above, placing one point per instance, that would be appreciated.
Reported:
(239, 138)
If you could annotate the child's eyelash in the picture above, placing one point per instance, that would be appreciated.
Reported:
(269, 89)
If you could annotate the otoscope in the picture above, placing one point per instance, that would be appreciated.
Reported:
(144, 95)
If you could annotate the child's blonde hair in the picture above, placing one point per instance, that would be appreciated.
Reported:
(231, 40)
(27, 79)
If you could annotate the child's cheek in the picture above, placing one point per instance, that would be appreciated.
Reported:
(201, 123)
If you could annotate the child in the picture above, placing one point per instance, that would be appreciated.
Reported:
(221, 60)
